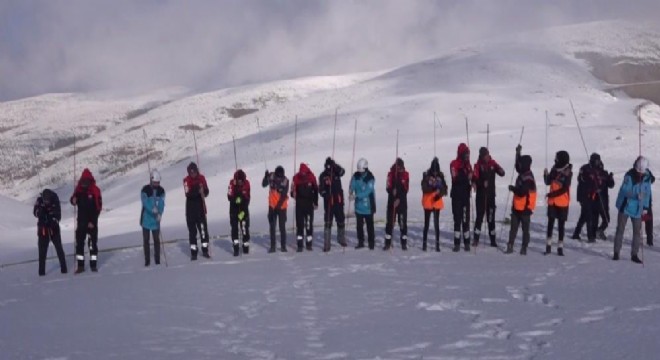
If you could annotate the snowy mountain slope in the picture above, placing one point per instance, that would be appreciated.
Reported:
(506, 84)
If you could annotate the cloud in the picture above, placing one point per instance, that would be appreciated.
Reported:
(79, 45)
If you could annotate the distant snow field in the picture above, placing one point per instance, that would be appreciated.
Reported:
(345, 304)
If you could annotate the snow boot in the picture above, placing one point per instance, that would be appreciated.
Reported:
(326, 239)
(466, 245)
(308, 243)
(560, 251)
(509, 248)
(341, 236)
(616, 256)
(404, 244)
(523, 250)
(93, 268)
(299, 242)
(424, 244)
(79, 270)
(601, 235)
(649, 243)
(437, 246)
(246, 248)
(272, 249)
(360, 245)
(548, 250)
(635, 259)
(493, 242)
(236, 250)
(576, 236)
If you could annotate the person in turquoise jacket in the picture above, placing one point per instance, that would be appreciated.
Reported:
(362, 190)
(153, 205)
(633, 202)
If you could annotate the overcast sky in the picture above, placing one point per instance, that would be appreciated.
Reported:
(87, 45)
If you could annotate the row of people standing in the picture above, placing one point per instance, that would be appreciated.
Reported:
(592, 194)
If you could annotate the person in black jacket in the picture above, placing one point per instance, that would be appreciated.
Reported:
(484, 180)
(587, 195)
(196, 190)
(87, 197)
(47, 211)
(648, 219)
(606, 182)
(331, 190)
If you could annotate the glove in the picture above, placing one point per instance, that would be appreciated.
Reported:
(436, 197)
(512, 188)
(238, 200)
(518, 149)
(154, 210)
(241, 215)
(351, 196)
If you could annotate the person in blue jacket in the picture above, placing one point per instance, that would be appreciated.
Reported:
(153, 205)
(362, 190)
(633, 202)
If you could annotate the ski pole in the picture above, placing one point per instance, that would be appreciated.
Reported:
(334, 134)
(584, 144)
(435, 151)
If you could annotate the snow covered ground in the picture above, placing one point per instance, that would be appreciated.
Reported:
(339, 305)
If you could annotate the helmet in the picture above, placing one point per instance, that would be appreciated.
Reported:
(155, 176)
(641, 164)
(362, 165)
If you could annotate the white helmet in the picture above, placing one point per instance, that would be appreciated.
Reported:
(362, 165)
(641, 164)
(155, 176)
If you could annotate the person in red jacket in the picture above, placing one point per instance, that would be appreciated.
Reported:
(238, 195)
(196, 190)
(305, 191)
(461, 192)
(484, 180)
(398, 183)
(87, 197)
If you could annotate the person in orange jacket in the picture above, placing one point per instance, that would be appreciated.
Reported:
(559, 197)
(524, 201)
(434, 187)
(278, 200)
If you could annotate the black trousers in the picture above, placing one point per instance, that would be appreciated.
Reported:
(277, 217)
(436, 224)
(242, 226)
(518, 219)
(484, 208)
(84, 232)
(460, 209)
(145, 245)
(46, 236)
(560, 214)
(589, 211)
(195, 226)
(648, 224)
(304, 223)
(399, 214)
(334, 212)
(371, 237)
(603, 213)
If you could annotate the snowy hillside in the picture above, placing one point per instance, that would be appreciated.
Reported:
(352, 305)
